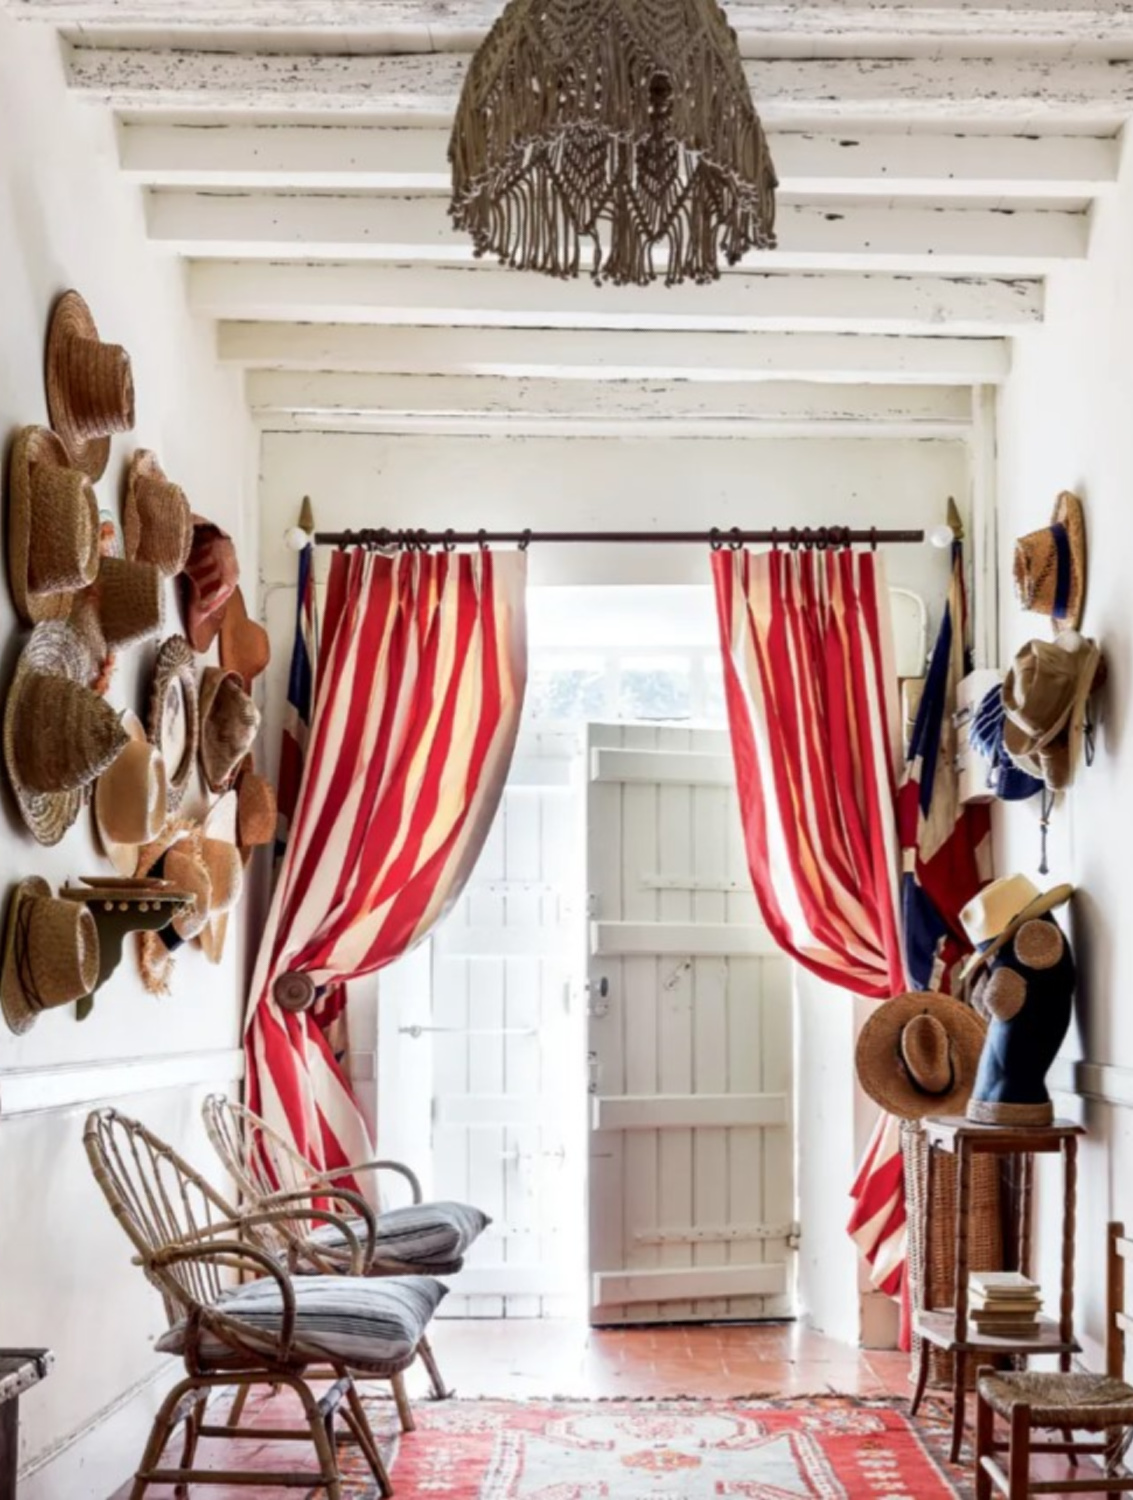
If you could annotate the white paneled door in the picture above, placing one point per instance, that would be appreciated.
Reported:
(690, 1043)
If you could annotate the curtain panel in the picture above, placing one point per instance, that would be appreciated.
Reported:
(420, 684)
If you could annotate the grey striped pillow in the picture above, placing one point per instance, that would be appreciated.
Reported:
(374, 1325)
(428, 1237)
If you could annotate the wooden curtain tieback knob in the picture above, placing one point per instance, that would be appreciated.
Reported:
(294, 992)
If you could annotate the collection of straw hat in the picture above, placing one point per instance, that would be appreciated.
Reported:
(90, 591)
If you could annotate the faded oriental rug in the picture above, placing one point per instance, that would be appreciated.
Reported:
(831, 1448)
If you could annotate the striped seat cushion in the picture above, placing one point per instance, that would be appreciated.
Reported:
(427, 1237)
(371, 1325)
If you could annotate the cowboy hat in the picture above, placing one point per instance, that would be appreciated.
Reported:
(51, 954)
(256, 809)
(58, 735)
(90, 386)
(53, 527)
(226, 873)
(230, 722)
(1045, 694)
(175, 855)
(1050, 565)
(992, 918)
(120, 907)
(173, 719)
(157, 523)
(918, 1053)
(244, 645)
(131, 799)
(211, 574)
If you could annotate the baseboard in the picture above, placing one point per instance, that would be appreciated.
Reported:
(95, 1461)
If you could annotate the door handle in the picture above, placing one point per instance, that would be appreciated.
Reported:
(599, 992)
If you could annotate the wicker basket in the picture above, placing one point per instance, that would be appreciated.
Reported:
(932, 1232)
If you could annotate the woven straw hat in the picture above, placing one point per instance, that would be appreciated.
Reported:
(157, 523)
(1050, 566)
(58, 735)
(53, 527)
(230, 722)
(131, 601)
(173, 720)
(244, 645)
(226, 873)
(174, 856)
(992, 918)
(1045, 697)
(211, 574)
(90, 386)
(256, 809)
(131, 799)
(51, 954)
(917, 1055)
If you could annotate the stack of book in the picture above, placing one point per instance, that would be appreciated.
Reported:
(1004, 1304)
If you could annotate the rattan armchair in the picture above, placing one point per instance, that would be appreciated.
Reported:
(428, 1239)
(193, 1246)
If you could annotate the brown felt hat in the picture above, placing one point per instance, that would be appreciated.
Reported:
(58, 735)
(992, 918)
(257, 810)
(1046, 694)
(230, 722)
(157, 522)
(917, 1054)
(51, 954)
(173, 719)
(90, 386)
(1050, 566)
(131, 799)
(244, 645)
(211, 574)
(53, 527)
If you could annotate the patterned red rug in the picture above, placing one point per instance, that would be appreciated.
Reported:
(832, 1448)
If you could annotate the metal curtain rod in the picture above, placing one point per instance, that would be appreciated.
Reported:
(820, 538)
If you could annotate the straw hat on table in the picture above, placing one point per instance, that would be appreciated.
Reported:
(918, 1054)
(90, 385)
(51, 954)
(53, 527)
(58, 735)
(992, 918)
(157, 522)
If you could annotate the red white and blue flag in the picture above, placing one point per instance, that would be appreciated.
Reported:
(945, 843)
(300, 697)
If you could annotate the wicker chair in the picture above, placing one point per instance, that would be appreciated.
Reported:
(192, 1245)
(1067, 1403)
(427, 1239)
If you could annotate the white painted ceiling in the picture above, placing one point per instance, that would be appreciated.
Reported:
(938, 162)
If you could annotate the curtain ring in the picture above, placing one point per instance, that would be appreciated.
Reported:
(821, 541)
(449, 540)
(736, 539)
(808, 538)
(423, 542)
(793, 535)
(482, 539)
(847, 539)
(715, 541)
(525, 539)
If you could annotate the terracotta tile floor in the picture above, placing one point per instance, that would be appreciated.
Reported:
(536, 1359)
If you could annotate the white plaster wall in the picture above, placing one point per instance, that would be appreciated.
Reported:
(66, 219)
(1065, 424)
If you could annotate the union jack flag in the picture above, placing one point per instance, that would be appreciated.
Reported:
(300, 694)
(945, 843)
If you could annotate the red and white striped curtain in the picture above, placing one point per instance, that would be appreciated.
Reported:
(812, 706)
(420, 685)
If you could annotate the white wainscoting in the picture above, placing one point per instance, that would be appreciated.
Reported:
(1096, 1083)
(25, 1091)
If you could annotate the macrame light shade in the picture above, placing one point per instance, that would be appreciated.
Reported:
(622, 127)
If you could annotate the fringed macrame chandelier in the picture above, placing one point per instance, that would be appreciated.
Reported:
(622, 126)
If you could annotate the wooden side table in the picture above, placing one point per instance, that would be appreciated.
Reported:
(948, 1328)
(20, 1369)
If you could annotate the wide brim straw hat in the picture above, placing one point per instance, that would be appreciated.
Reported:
(176, 855)
(53, 527)
(58, 735)
(992, 918)
(173, 720)
(230, 722)
(131, 799)
(51, 954)
(1045, 697)
(157, 520)
(1050, 566)
(257, 809)
(917, 1054)
(244, 645)
(226, 873)
(90, 385)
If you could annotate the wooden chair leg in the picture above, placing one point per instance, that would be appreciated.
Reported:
(159, 1436)
(1068, 1437)
(192, 1438)
(440, 1387)
(1019, 1454)
(985, 1434)
(329, 1477)
(238, 1405)
(359, 1423)
(404, 1410)
(1114, 1447)
(959, 1397)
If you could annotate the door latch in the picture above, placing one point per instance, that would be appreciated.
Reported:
(599, 992)
(593, 1071)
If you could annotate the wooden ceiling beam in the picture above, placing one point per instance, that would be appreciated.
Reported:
(588, 355)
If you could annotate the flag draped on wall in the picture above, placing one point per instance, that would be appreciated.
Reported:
(945, 843)
(300, 689)
(419, 688)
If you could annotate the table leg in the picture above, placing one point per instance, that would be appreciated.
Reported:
(960, 1297)
(959, 1401)
(9, 1447)
(1069, 1231)
(1026, 1180)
